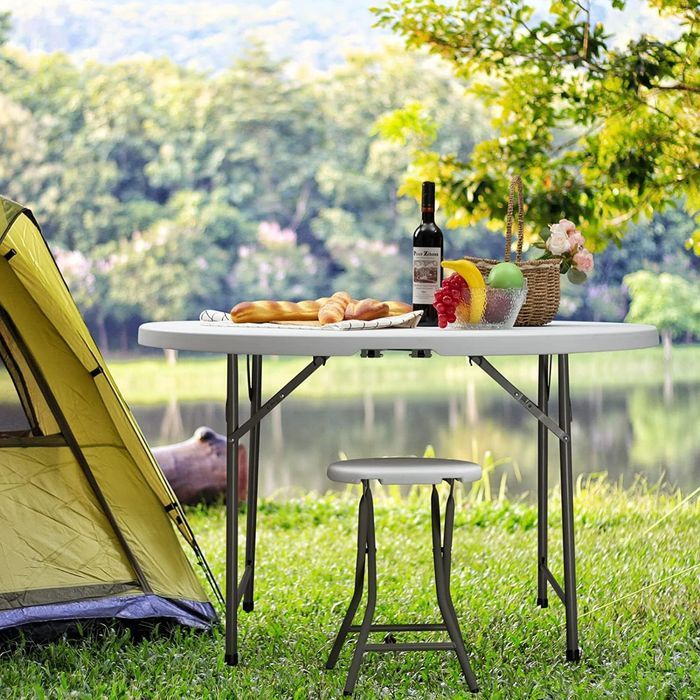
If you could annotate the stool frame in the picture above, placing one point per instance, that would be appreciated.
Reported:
(366, 563)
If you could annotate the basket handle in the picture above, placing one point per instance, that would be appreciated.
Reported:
(515, 182)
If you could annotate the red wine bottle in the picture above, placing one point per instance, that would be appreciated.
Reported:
(427, 256)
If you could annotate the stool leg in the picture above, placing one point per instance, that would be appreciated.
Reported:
(359, 583)
(447, 543)
(443, 593)
(371, 596)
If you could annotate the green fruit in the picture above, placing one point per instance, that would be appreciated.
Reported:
(505, 275)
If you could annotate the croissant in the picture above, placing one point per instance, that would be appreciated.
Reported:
(266, 311)
(334, 309)
(366, 310)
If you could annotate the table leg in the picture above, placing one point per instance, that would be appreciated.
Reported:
(542, 480)
(255, 396)
(231, 655)
(573, 653)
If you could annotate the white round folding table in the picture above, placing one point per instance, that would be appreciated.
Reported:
(559, 338)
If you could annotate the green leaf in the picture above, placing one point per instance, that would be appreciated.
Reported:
(576, 276)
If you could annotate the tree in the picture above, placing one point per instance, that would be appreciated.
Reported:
(666, 301)
(601, 134)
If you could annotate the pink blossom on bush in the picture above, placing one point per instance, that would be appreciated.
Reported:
(76, 268)
(583, 261)
(272, 235)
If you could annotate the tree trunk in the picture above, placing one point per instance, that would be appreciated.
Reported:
(196, 468)
(124, 338)
(667, 342)
(102, 338)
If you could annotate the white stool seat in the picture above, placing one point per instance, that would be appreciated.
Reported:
(403, 470)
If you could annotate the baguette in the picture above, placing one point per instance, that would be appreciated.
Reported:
(366, 310)
(265, 311)
(397, 308)
(334, 309)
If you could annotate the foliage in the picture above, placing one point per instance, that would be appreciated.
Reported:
(639, 637)
(276, 266)
(160, 178)
(601, 133)
(666, 301)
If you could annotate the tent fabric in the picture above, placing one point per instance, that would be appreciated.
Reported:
(142, 607)
(85, 507)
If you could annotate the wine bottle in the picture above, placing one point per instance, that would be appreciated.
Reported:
(427, 256)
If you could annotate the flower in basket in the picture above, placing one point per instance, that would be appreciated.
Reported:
(564, 241)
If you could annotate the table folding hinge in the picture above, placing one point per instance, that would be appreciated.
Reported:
(519, 396)
(371, 353)
(421, 353)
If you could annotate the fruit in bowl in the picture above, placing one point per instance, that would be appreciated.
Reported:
(465, 301)
(505, 275)
(459, 295)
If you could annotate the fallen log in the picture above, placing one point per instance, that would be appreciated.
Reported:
(196, 468)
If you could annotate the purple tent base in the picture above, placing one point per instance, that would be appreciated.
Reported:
(145, 607)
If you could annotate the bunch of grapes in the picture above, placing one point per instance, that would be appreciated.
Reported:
(448, 297)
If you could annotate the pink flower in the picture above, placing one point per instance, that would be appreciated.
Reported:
(568, 226)
(583, 261)
(576, 240)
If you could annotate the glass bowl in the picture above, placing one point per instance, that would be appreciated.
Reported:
(489, 308)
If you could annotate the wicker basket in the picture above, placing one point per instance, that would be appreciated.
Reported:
(543, 291)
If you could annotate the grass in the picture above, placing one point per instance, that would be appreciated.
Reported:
(645, 645)
(150, 380)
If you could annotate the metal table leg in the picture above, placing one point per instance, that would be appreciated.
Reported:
(255, 397)
(242, 591)
(542, 479)
(231, 654)
(573, 653)
(562, 430)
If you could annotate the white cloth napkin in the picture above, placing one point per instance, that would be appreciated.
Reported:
(409, 320)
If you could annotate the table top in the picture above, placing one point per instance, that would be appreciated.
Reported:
(559, 337)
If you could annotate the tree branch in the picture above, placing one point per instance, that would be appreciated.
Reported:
(681, 87)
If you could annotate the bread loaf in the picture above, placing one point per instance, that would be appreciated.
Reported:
(334, 309)
(397, 308)
(266, 311)
(366, 310)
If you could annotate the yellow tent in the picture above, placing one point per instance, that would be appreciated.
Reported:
(89, 524)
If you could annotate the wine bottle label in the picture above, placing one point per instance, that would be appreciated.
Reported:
(426, 274)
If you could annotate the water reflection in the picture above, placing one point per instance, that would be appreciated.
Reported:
(644, 430)
(623, 432)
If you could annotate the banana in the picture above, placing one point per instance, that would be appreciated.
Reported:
(471, 275)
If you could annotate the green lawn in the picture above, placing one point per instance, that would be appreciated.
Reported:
(145, 381)
(645, 645)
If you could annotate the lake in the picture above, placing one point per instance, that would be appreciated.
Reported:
(644, 426)
(643, 430)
